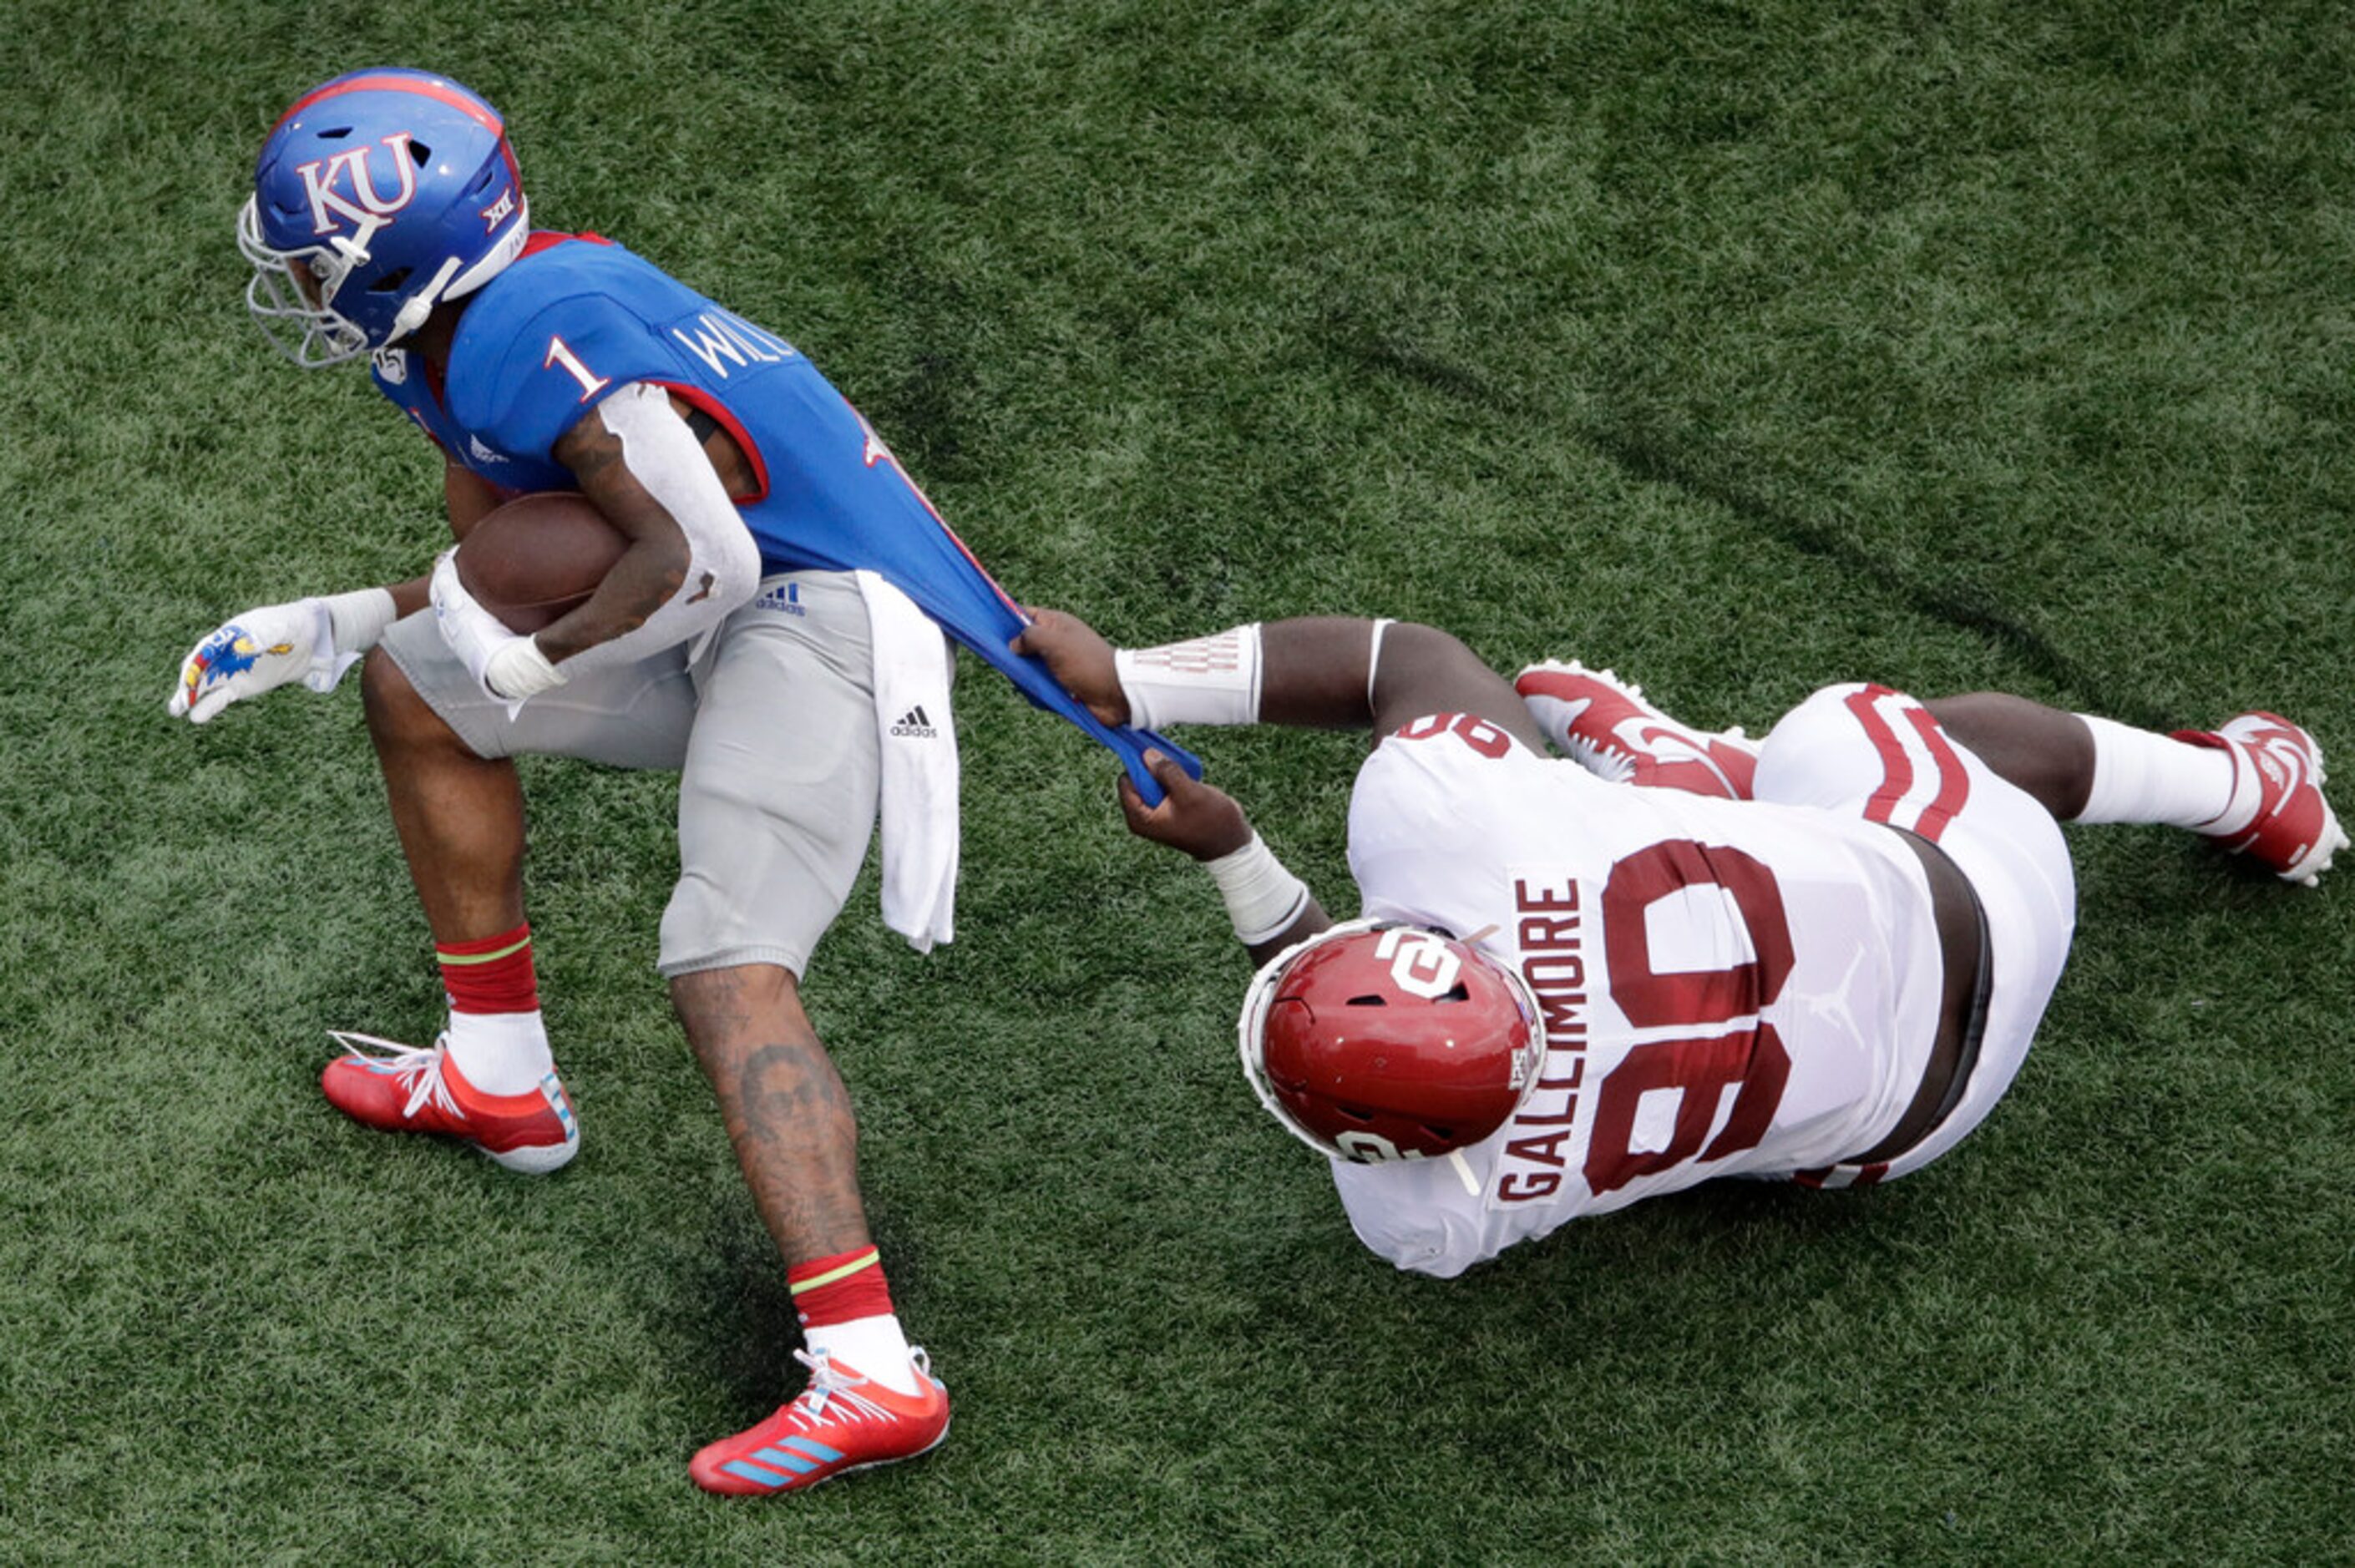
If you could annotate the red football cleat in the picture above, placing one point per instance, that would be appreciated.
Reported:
(1607, 726)
(411, 1089)
(842, 1422)
(2294, 832)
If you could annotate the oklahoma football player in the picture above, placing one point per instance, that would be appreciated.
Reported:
(772, 630)
(1817, 958)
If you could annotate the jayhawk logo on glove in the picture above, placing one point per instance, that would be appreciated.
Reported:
(227, 653)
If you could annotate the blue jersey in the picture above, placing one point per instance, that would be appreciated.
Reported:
(576, 318)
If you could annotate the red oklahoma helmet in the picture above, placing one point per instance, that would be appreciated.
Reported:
(1374, 1041)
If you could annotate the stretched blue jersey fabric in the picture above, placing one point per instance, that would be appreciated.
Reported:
(578, 317)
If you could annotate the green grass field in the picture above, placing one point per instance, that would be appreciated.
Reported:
(1958, 343)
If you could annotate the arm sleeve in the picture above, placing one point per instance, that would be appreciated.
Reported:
(525, 386)
(723, 567)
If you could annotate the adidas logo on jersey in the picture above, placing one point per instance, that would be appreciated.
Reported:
(786, 598)
(481, 454)
(915, 725)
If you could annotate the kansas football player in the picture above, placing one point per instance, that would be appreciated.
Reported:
(1578, 983)
(772, 631)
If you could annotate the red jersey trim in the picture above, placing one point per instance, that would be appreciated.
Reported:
(879, 452)
(548, 239)
(1954, 779)
(705, 401)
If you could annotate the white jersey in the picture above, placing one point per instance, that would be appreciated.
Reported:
(1728, 987)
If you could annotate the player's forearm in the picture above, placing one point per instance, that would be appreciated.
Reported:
(410, 597)
(1338, 672)
(1341, 672)
(1311, 672)
(691, 561)
(1308, 671)
(647, 578)
(655, 598)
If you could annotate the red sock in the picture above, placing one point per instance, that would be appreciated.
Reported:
(491, 974)
(836, 1290)
(846, 1316)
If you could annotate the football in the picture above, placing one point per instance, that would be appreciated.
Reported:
(538, 556)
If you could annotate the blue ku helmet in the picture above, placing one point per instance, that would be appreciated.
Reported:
(379, 195)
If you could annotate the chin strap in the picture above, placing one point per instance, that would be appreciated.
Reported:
(421, 304)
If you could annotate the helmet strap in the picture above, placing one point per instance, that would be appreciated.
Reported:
(420, 305)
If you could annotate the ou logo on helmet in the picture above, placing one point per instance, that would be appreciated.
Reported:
(1422, 963)
(323, 179)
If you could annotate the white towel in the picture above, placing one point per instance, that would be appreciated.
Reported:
(916, 734)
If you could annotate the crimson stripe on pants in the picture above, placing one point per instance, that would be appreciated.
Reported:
(1953, 783)
(1954, 779)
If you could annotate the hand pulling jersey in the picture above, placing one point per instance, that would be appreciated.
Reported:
(1727, 987)
(577, 317)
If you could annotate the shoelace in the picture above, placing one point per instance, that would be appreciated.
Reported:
(418, 1069)
(832, 1385)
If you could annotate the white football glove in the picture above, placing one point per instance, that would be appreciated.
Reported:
(507, 665)
(268, 647)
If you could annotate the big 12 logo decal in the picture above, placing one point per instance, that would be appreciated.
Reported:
(324, 180)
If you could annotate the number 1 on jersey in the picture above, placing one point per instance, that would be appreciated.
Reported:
(561, 353)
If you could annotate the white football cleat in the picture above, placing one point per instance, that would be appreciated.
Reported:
(2295, 832)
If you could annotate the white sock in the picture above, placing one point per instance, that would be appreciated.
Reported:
(871, 1347)
(2142, 777)
(501, 1052)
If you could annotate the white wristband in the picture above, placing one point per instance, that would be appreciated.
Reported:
(1263, 897)
(518, 668)
(1210, 680)
(348, 625)
(360, 618)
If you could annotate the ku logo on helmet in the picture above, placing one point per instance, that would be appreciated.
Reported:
(325, 179)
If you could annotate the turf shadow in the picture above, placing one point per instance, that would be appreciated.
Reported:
(1648, 459)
